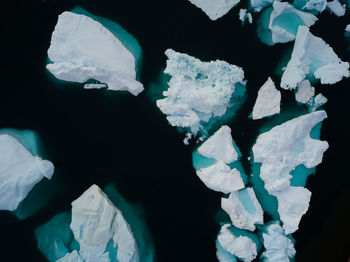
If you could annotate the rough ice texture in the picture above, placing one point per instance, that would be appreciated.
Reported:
(312, 56)
(198, 91)
(317, 102)
(20, 171)
(336, 8)
(279, 23)
(220, 146)
(313, 6)
(278, 247)
(244, 15)
(280, 151)
(258, 5)
(268, 101)
(99, 227)
(244, 209)
(82, 49)
(72, 257)
(215, 9)
(242, 247)
(220, 177)
(305, 92)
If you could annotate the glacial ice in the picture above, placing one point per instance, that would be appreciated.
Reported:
(313, 6)
(313, 57)
(278, 246)
(244, 15)
(279, 23)
(231, 246)
(244, 209)
(268, 101)
(215, 9)
(73, 57)
(258, 5)
(336, 8)
(200, 92)
(20, 171)
(280, 151)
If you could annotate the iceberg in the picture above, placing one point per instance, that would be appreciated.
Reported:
(313, 57)
(20, 171)
(215, 9)
(312, 6)
(82, 49)
(258, 5)
(200, 92)
(278, 246)
(280, 151)
(268, 101)
(244, 15)
(279, 23)
(318, 101)
(231, 246)
(244, 209)
(336, 8)
(98, 232)
(305, 92)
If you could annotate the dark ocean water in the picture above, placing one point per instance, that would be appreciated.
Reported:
(98, 136)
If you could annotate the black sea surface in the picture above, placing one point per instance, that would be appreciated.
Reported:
(98, 136)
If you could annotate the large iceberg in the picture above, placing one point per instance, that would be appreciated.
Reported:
(268, 101)
(20, 171)
(279, 23)
(278, 246)
(83, 49)
(230, 246)
(244, 209)
(200, 92)
(215, 9)
(98, 232)
(313, 58)
(280, 151)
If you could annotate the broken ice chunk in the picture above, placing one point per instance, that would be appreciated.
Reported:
(82, 49)
(313, 57)
(317, 102)
(268, 101)
(215, 9)
(336, 8)
(313, 6)
(244, 15)
(305, 92)
(243, 208)
(279, 23)
(258, 5)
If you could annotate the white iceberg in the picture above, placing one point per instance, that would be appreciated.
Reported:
(199, 92)
(305, 92)
(245, 15)
(20, 171)
(313, 57)
(336, 8)
(244, 209)
(268, 101)
(280, 151)
(317, 102)
(215, 9)
(279, 247)
(279, 23)
(313, 6)
(82, 49)
(242, 247)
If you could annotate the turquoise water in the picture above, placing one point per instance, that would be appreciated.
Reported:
(246, 201)
(200, 161)
(29, 139)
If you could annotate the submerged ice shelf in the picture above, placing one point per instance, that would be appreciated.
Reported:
(200, 93)
(82, 49)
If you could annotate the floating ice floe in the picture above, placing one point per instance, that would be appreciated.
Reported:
(268, 101)
(279, 23)
(313, 6)
(98, 232)
(312, 57)
(244, 209)
(200, 93)
(278, 246)
(82, 49)
(244, 15)
(280, 151)
(258, 5)
(305, 92)
(20, 171)
(318, 101)
(336, 8)
(219, 176)
(215, 9)
(231, 246)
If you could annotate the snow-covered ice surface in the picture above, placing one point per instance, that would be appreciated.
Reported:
(231, 246)
(278, 246)
(244, 209)
(215, 9)
(336, 8)
(318, 101)
(305, 92)
(200, 92)
(20, 171)
(279, 23)
(313, 57)
(313, 6)
(280, 150)
(268, 101)
(82, 49)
